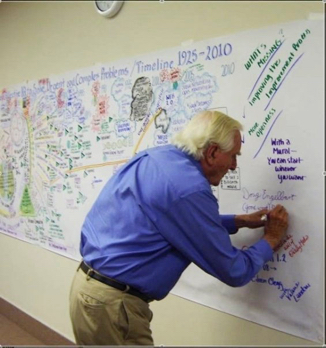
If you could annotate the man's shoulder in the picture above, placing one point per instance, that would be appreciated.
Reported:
(162, 149)
(168, 153)
(178, 167)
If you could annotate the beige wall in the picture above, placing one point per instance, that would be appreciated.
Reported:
(38, 39)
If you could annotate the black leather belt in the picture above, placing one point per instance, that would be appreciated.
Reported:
(111, 282)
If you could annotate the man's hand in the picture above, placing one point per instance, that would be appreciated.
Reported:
(252, 220)
(276, 226)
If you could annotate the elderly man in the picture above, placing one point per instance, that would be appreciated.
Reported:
(154, 217)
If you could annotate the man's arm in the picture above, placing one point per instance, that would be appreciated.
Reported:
(233, 222)
(194, 228)
(253, 220)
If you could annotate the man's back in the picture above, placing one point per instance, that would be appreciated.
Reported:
(121, 237)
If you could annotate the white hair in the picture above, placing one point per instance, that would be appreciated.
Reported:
(205, 128)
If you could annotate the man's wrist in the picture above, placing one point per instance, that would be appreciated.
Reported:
(240, 221)
(273, 242)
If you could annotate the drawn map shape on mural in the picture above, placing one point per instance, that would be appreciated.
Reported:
(162, 121)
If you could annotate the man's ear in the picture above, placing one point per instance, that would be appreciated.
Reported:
(211, 153)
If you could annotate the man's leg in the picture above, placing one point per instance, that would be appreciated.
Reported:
(102, 315)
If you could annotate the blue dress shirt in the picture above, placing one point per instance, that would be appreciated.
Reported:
(154, 217)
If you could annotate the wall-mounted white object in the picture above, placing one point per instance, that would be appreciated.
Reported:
(108, 8)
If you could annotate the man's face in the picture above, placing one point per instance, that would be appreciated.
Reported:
(222, 162)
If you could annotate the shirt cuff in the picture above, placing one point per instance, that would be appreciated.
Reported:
(265, 249)
(228, 221)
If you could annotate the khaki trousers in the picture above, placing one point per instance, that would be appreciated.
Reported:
(102, 315)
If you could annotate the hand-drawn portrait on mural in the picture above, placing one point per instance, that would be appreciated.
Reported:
(142, 97)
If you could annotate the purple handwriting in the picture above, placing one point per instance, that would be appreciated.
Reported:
(293, 293)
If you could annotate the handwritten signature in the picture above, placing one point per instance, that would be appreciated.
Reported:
(296, 292)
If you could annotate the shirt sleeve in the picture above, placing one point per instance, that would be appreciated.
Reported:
(228, 221)
(194, 227)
